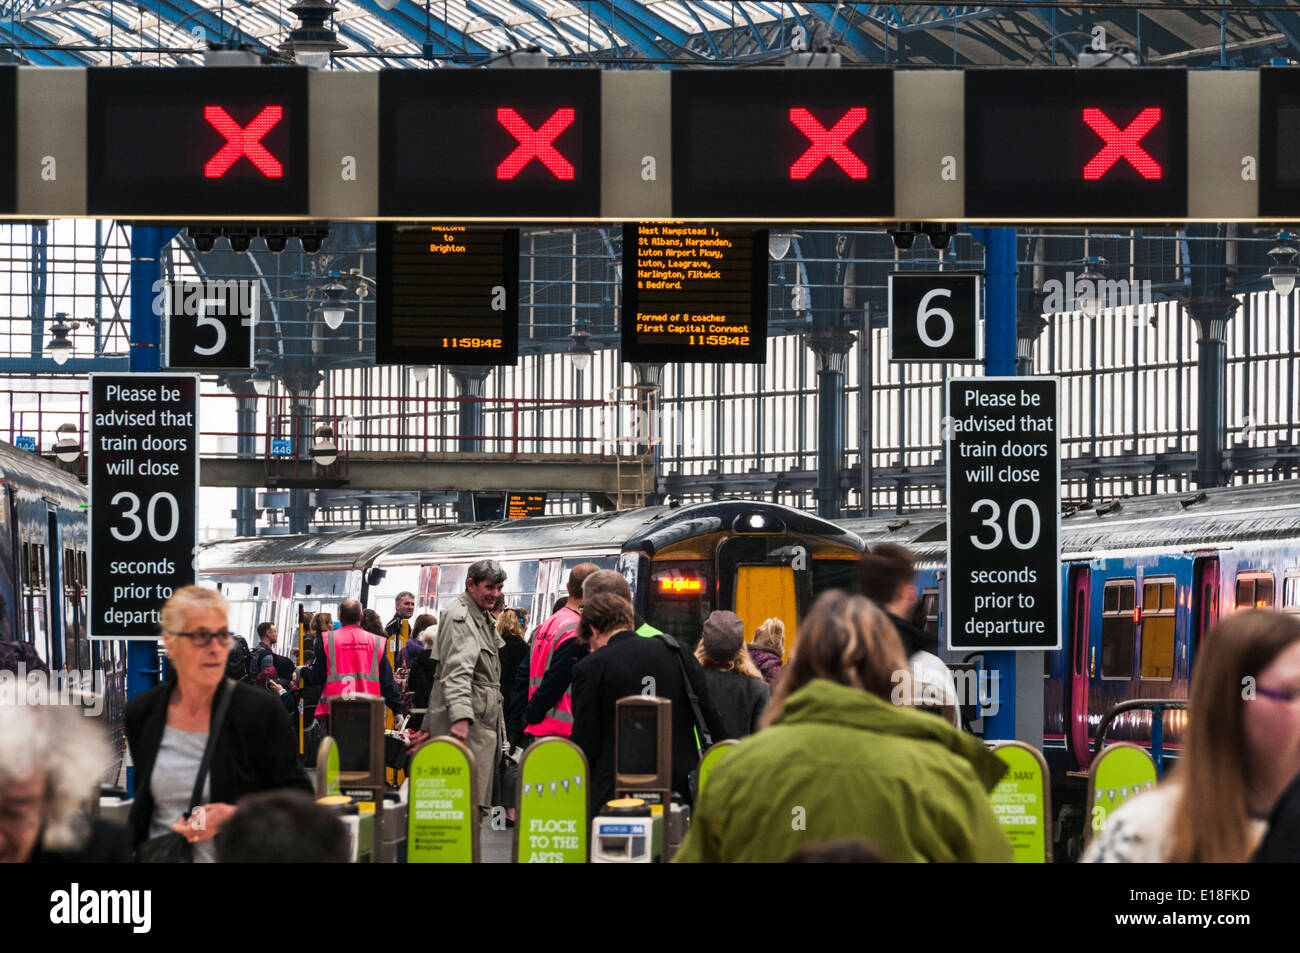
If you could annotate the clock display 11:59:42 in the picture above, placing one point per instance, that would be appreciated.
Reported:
(472, 342)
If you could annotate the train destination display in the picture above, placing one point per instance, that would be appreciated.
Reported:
(809, 142)
(522, 505)
(144, 491)
(522, 143)
(195, 140)
(1004, 504)
(1076, 144)
(447, 294)
(694, 293)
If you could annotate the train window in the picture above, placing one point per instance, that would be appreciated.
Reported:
(1291, 594)
(830, 574)
(1118, 628)
(930, 610)
(451, 579)
(1255, 590)
(1158, 621)
(681, 598)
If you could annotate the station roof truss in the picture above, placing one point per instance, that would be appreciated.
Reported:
(639, 33)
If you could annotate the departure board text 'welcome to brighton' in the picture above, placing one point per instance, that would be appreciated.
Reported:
(447, 294)
(694, 293)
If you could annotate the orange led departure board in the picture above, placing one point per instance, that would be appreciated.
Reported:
(694, 293)
(520, 505)
(447, 294)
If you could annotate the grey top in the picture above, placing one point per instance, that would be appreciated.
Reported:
(172, 783)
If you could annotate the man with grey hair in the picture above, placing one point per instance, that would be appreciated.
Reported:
(465, 701)
(399, 626)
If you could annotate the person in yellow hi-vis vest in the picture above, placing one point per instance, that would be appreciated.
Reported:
(399, 626)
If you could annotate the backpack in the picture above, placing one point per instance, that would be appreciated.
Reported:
(284, 666)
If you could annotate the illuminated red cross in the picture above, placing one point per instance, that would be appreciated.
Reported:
(535, 143)
(1121, 143)
(828, 143)
(243, 141)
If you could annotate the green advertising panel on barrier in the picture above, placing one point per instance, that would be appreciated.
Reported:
(710, 760)
(1022, 800)
(1119, 772)
(442, 819)
(552, 804)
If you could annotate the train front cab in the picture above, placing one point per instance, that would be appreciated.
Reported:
(757, 560)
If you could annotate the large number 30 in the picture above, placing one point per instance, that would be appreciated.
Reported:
(1035, 523)
(150, 518)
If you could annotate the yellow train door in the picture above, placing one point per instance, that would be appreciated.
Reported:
(764, 592)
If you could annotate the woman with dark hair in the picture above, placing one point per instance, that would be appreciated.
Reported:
(372, 623)
(844, 757)
(1241, 752)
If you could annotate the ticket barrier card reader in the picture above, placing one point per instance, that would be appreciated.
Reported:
(357, 727)
(630, 830)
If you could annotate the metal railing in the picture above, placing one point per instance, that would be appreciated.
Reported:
(1157, 707)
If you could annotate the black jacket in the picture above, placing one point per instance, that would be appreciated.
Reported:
(105, 843)
(619, 670)
(514, 651)
(256, 750)
(914, 639)
(1282, 842)
(739, 699)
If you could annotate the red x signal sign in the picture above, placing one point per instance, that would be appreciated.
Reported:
(1121, 143)
(535, 143)
(828, 143)
(243, 141)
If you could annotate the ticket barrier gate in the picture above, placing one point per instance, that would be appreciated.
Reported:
(642, 825)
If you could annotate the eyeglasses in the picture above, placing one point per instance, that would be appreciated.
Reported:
(1287, 695)
(203, 639)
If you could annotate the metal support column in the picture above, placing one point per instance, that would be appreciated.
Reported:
(1019, 680)
(652, 375)
(832, 350)
(143, 670)
(471, 382)
(1211, 314)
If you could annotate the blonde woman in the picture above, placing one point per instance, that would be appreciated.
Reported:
(1241, 752)
(736, 687)
(845, 762)
(768, 649)
(168, 730)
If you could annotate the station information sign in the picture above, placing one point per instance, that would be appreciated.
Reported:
(447, 294)
(206, 141)
(1076, 144)
(797, 142)
(1279, 142)
(144, 492)
(694, 293)
(521, 505)
(474, 143)
(1004, 505)
(210, 324)
(8, 138)
(934, 316)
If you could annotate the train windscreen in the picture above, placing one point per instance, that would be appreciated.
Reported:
(681, 597)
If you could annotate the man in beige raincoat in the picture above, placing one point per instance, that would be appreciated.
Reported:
(466, 698)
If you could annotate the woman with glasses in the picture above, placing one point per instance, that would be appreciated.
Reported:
(1242, 751)
(167, 728)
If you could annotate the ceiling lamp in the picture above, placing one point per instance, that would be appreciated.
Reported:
(313, 41)
(59, 347)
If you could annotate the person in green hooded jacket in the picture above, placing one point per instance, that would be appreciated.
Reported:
(844, 757)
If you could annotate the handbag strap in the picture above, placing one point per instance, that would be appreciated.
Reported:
(214, 729)
(700, 724)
